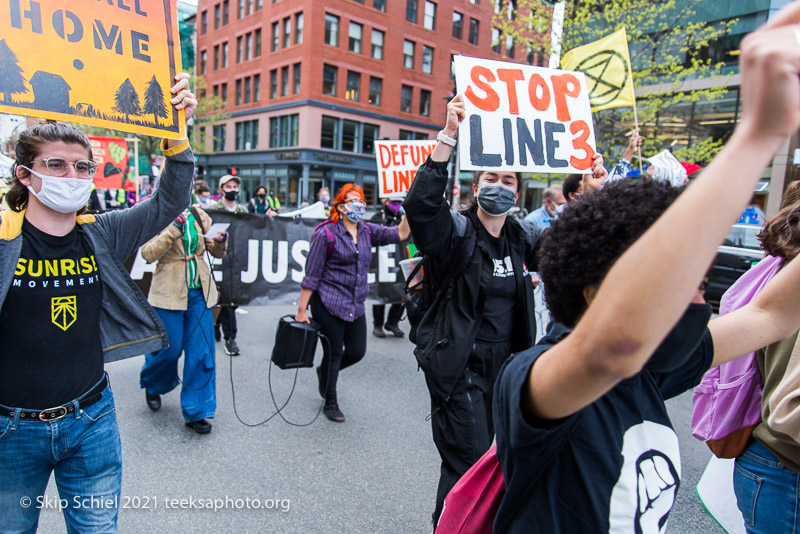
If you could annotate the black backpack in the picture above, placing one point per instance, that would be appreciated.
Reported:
(419, 297)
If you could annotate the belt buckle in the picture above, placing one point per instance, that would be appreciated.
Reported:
(43, 412)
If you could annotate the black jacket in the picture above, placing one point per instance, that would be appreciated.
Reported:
(444, 345)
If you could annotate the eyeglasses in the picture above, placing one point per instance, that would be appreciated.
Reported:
(59, 166)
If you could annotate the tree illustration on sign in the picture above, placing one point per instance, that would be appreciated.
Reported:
(11, 79)
(126, 101)
(154, 100)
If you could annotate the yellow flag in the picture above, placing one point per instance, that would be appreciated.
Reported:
(607, 67)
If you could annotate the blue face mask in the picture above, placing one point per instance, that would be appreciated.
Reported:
(355, 211)
(496, 199)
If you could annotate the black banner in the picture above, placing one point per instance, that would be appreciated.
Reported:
(266, 261)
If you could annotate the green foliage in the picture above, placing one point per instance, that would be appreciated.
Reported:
(667, 48)
(207, 113)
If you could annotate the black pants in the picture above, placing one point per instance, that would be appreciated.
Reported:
(395, 311)
(227, 320)
(348, 344)
(462, 427)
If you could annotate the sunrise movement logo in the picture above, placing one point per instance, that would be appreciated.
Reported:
(64, 311)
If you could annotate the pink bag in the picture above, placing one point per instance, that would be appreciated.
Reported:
(729, 396)
(471, 506)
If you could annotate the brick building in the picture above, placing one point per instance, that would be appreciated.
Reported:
(308, 85)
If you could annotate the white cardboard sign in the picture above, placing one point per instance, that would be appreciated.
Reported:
(523, 118)
(398, 162)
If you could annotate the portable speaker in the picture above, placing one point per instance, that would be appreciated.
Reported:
(295, 343)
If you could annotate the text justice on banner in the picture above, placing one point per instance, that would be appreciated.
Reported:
(107, 63)
(523, 118)
(398, 162)
(266, 262)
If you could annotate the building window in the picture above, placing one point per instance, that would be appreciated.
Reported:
(287, 32)
(375, 90)
(427, 59)
(495, 40)
(216, 57)
(239, 48)
(241, 9)
(370, 135)
(407, 135)
(285, 80)
(380, 5)
(296, 73)
(223, 94)
(331, 30)
(354, 41)
(408, 54)
(216, 16)
(219, 138)
(247, 92)
(247, 135)
(259, 4)
(329, 137)
(238, 92)
(377, 43)
(203, 58)
(351, 138)
(249, 7)
(411, 11)
(257, 46)
(204, 22)
(273, 83)
(225, 54)
(226, 10)
(458, 24)
(298, 28)
(430, 15)
(329, 73)
(473, 31)
(406, 92)
(275, 36)
(256, 88)
(283, 130)
(353, 86)
(510, 46)
(248, 48)
(424, 102)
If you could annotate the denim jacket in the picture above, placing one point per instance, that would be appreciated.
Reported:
(128, 324)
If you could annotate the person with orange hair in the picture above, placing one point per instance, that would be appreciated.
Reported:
(336, 286)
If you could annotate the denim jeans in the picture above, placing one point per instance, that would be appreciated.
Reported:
(191, 332)
(766, 492)
(84, 451)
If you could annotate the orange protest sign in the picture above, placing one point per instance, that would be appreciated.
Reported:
(107, 63)
(111, 156)
(398, 162)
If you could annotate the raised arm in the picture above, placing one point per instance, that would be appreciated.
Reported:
(650, 286)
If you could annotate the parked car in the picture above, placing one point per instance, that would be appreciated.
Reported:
(740, 251)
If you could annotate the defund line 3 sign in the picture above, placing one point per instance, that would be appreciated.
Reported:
(107, 63)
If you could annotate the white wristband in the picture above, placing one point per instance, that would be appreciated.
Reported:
(446, 139)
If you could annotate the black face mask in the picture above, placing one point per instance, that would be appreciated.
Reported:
(682, 341)
(231, 195)
(261, 196)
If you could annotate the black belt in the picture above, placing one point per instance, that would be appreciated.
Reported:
(53, 414)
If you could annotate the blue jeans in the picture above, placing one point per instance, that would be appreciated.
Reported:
(189, 331)
(766, 492)
(84, 451)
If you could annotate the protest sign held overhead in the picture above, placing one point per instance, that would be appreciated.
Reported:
(398, 162)
(607, 66)
(107, 63)
(523, 118)
(111, 156)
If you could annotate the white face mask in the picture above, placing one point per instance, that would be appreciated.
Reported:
(60, 193)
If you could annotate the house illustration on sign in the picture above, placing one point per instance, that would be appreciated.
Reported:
(50, 92)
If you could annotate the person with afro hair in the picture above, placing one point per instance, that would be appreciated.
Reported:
(583, 436)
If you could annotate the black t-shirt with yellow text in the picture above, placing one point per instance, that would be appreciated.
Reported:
(50, 349)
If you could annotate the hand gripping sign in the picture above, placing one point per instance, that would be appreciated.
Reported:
(523, 118)
(398, 162)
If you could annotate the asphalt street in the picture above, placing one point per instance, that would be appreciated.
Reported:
(377, 472)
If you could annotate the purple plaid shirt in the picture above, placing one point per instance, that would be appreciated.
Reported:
(341, 280)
